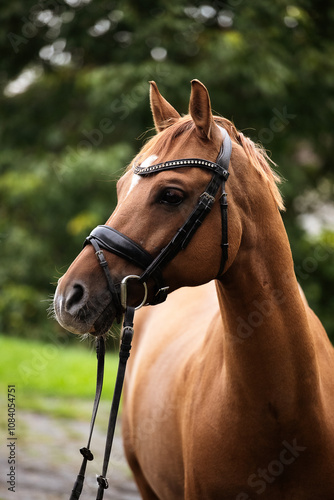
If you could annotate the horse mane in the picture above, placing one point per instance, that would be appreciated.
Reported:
(256, 154)
(258, 158)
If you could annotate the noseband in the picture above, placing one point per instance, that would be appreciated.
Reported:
(108, 238)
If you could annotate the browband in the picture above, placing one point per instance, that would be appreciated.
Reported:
(186, 162)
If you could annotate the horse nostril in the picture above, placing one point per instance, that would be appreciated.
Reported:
(74, 297)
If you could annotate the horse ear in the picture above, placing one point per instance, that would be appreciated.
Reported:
(200, 109)
(163, 113)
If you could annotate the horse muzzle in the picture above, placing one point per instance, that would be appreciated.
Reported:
(79, 313)
(83, 306)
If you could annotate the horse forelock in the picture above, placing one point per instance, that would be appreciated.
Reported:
(181, 130)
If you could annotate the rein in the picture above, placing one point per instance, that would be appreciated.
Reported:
(124, 353)
(107, 238)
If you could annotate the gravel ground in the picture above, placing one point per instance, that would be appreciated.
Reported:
(48, 460)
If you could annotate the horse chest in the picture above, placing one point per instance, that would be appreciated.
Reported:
(204, 446)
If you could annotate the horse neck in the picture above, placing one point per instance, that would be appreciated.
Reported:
(268, 346)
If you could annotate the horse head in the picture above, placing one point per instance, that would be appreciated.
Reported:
(157, 196)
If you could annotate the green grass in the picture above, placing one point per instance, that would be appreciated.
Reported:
(48, 377)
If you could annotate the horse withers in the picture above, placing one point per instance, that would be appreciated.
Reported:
(230, 391)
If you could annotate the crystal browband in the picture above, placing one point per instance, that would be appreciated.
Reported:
(187, 162)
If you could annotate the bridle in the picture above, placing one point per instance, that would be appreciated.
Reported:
(107, 238)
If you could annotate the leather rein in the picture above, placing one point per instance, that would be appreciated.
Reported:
(106, 238)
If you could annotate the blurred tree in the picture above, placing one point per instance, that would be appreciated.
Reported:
(74, 98)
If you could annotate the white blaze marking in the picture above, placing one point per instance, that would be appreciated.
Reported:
(135, 177)
(134, 182)
(149, 161)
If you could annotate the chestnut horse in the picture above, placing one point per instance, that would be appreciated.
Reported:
(230, 392)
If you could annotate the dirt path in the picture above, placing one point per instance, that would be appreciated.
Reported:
(48, 461)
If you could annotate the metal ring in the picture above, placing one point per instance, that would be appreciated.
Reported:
(124, 294)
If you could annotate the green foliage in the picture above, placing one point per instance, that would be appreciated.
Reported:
(314, 268)
(49, 205)
(67, 135)
(45, 372)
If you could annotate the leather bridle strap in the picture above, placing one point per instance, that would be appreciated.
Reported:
(113, 241)
(185, 233)
(115, 298)
(203, 207)
(124, 353)
(85, 451)
(224, 159)
(108, 238)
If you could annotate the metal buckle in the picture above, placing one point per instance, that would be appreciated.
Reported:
(164, 289)
(207, 199)
(124, 293)
(101, 258)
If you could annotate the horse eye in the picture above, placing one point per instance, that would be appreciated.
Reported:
(172, 197)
